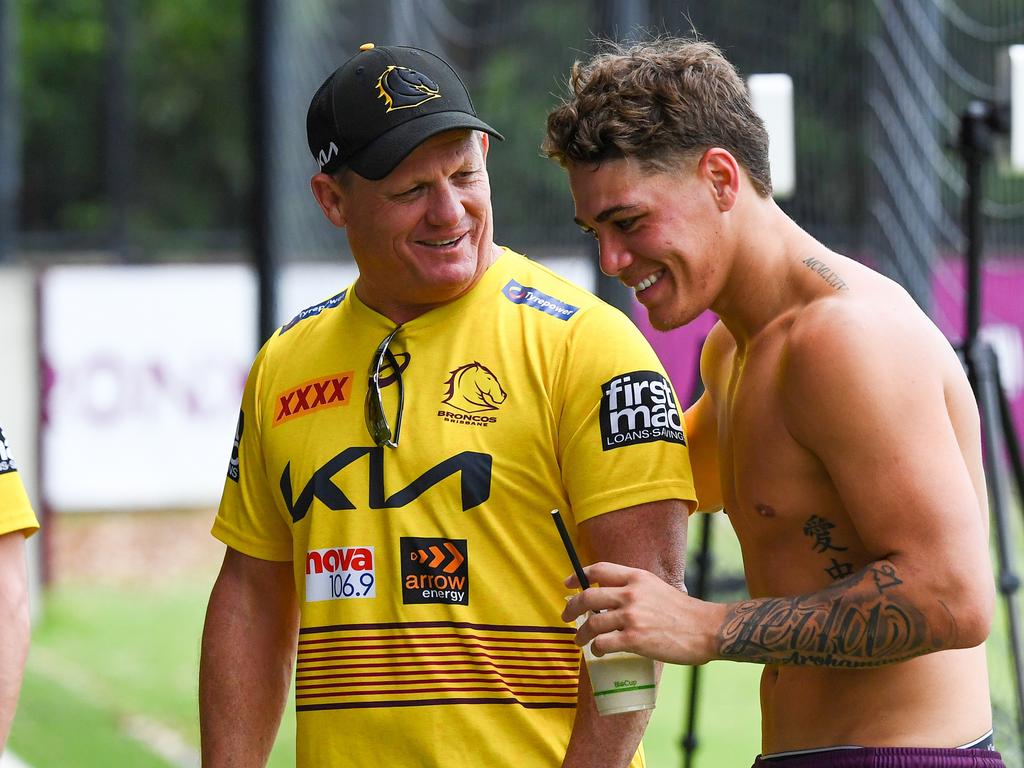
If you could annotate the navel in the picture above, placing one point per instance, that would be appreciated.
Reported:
(764, 510)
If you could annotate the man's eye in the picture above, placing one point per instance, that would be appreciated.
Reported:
(625, 225)
(588, 231)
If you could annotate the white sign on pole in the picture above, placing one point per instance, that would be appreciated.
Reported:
(143, 374)
(771, 96)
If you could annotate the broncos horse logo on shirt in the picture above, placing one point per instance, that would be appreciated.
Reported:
(401, 88)
(473, 388)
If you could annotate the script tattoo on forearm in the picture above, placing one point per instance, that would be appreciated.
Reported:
(855, 623)
(828, 274)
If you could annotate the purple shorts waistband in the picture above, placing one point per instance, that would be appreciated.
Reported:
(889, 757)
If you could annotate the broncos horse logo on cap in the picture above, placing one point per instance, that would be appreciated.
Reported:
(401, 88)
(473, 388)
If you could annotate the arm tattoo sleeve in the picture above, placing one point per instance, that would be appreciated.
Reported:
(860, 621)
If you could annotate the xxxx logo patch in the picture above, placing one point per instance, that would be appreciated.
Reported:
(326, 392)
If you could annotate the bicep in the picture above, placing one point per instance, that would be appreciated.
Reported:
(884, 436)
(651, 536)
(257, 588)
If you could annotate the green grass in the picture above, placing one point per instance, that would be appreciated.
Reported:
(728, 717)
(101, 655)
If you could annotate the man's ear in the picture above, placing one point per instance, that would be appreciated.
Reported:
(330, 197)
(720, 168)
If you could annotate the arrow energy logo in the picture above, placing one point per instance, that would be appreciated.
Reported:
(435, 570)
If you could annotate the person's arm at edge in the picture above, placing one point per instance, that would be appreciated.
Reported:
(650, 536)
(248, 652)
(14, 626)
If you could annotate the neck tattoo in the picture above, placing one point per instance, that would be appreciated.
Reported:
(827, 274)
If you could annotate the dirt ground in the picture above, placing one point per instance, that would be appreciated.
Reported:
(120, 547)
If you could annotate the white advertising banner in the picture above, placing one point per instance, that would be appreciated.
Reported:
(143, 374)
(143, 370)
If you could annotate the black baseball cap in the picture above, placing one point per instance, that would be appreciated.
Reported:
(381, 104)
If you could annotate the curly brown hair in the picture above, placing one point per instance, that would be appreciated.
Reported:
(660, 102)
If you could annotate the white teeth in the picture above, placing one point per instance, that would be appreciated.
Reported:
(647, 282)
(440, 242)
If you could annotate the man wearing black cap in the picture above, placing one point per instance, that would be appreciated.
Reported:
(391, 531)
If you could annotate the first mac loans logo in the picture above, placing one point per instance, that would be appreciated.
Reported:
(639, 407)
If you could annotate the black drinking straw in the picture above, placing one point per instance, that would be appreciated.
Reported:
(570, 549)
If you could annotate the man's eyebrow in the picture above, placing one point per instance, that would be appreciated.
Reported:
(607, 213)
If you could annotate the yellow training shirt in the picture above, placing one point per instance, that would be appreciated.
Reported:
(430, 575)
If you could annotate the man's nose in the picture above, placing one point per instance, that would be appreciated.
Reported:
(614, 256)
(445, 206)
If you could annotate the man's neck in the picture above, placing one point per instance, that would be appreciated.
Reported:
(758, 289)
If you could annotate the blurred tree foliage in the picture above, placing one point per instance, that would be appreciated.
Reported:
(519, 82)
(821, 45)
(188, 107)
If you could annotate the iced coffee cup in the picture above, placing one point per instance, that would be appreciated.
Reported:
(622, 682)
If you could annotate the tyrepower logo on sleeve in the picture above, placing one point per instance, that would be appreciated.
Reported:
(434, 570)
(518, 293)
(639, 407)
(326, 392)
(340, 573)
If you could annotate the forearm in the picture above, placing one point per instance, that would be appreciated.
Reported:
(608, 741)
(245, 672)
(868, 619)
(14, 627)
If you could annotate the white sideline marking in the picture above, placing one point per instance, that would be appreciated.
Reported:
(158, 738)
(152, 736)
(10, 760)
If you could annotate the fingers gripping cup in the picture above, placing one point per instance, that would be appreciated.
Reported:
(622, 682)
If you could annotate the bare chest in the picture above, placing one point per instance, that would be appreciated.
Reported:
(792, 526)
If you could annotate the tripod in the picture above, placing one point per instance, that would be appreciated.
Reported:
(979, 124)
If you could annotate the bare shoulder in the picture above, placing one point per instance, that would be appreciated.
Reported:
(875, 322)
(716, 353)
(863, 344)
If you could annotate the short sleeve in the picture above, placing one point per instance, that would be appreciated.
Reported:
(621, 436)
(248, 519)
(15, 509)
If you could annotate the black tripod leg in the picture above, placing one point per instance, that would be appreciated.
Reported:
(993, 433)
(704, 559)
(1010, 432)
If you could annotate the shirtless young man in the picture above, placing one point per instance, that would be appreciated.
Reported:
(837, 430)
